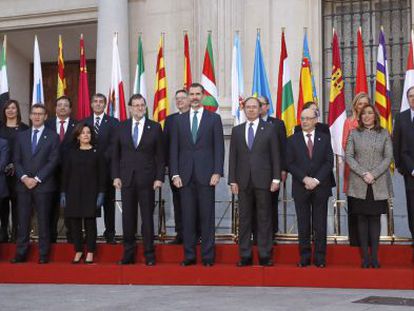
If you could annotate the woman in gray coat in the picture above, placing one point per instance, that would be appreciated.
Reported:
(369, 155)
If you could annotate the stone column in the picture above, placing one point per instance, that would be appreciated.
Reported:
(112, 17)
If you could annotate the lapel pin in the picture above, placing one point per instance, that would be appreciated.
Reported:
(45, 137)
(261, 128)
(319, 139)
(148, 127)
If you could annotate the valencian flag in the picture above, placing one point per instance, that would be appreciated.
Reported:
(160, 111)
(37, 95)
(187, 63)
(260, 82)
(4, 84)
(116, 104)
(139, 81)
(285, 104)
(337, 109)
(84, 109)
(237, 83)
(61, 80)
(409, 75)
(361, 74)
(208, 78)
(307, 87)
(382, 85)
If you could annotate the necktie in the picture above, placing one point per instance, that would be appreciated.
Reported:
(34, 141)
(310, 145)
(250, 136)
(135, 135)
(96, 126)
(194, 127)
(61, 131)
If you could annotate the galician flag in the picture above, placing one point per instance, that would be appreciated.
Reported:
(409, 75)
(208, 79)
(187, 63)
(4, 84)
(260, 82)
(237, 83)
(61, 80)
(361, 84)
(337, 108)
(37, 95)
(285, 105)
(139, 81)
(160, 111)
(116, 104)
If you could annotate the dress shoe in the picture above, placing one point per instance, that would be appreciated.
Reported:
(111, 241)
(320, 265)
(245, 262)
(126, 262)
(89, 262)
(303, 263)
(188, 262)
(18, 259)
(365, 263)
(150, 262)
(375, 264)
(208, 263)
(79, 260)
(177, 241)
(43, 260)
(265, 262)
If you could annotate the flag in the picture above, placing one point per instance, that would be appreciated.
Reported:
(409, 75)
(4, 85)
(260, 82)
(208, 79)
(83, 88)
(361, 74)
(160, 110)
(237, 83)
(61, 80)
(285, 104)
(187, 63)
(37, 95)
(382, 85)
(307, 87)
(116, 105)
(139, 81)
(337, 108)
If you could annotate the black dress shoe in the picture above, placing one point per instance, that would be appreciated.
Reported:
(43, 260)
(126, 262)
(365, 264)
(18, 259)
(245, 262)
(188, 262)
(320, 265)
(208, 263)
(303, 263)
(265, 262)
(177, 241)
(150, 262)
(111, 241)
(375, 264)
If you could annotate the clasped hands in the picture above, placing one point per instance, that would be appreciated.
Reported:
(368, 178)
(29, 182)
(310, 183)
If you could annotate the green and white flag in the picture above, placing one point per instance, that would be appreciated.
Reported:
(139, 82)
(4, 85)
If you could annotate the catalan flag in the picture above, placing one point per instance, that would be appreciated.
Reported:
(160, 110)
(187, 63)
(382, 85)
(84, 109)
(61, 80)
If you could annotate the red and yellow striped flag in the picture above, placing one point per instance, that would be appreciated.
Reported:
(187, 64)
(160, 98)
(61, 80)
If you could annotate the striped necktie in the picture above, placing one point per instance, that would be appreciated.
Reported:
(96, 126)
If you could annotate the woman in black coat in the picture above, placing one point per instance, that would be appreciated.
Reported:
(12, 124)
(83, 186)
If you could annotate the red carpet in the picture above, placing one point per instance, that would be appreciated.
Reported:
(342, 269)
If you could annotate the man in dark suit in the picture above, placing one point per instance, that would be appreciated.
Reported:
(138, 170)
(281, 137)
(196, 164)
(105, 127)
(254, 173)
(309, 158)
(36, 157)
(183, 105)
(403, 145)
(320, 127)
(63, 125)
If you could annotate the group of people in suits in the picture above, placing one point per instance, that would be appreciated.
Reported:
(58, 163)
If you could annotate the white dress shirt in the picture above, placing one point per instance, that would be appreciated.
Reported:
(199, 115)
(246, 132)
(140, 128)
(101, 116)
(65, 125)
(39, 135)
(313, 143)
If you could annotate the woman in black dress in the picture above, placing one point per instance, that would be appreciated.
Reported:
(83, 186)
(12, 124)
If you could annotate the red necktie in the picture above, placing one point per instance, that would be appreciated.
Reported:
(310, 145)
(61, 131)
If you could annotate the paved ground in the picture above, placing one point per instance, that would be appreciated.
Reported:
(183, 298)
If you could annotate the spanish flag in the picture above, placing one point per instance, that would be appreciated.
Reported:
(160, 110)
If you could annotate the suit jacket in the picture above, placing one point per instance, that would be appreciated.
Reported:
(403, 142)
(146, 161)
(4, 160)
(68, 142)
(203, 158)
(104, 141)
(369, 151)
(261, 164)
(41, 164)
(168, 129)
(299, 164)
(280, 128)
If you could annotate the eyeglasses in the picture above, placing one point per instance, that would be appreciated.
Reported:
(307, 118)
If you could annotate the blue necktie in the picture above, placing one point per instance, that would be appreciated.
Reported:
(34, 141)
(250, 136)
(194, 127)
(135, 135)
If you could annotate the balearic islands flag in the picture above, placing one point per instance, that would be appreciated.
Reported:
(285, 105)
(187, 63)
(61, 80)
(4, 84)
(37, 94)
(409, 75)
(361, 74)
(237, 83)
(84, 109)
(116, 104)
(160, 111)
(208, 79)
(337, 109)
(139, 81)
